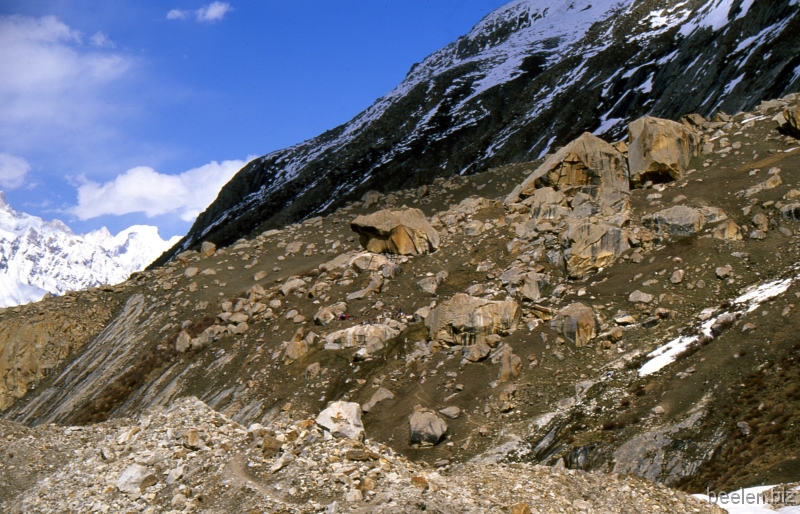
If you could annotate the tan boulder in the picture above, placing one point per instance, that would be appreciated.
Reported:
(359, 335)
(659, 150)
(405, 232)
(678, 221)
(577, 323)
(587, 163)
(792, 115)
(467, 320)
(329, 313)
(510, 366)
(592, 245)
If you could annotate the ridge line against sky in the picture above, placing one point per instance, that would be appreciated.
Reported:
(122, 113)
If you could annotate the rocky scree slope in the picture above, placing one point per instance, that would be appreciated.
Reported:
(530, 76)
(537, 313)
(40, 257)
(188, 458)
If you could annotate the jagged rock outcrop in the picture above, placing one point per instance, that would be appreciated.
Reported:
(659, 150)
(404, 232)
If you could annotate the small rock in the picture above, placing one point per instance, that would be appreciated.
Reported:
(342, 419)
(425, 427)
(677, 277)
(380, 395)
(452, 412)
(640, 297)
(190, 272)
(135, 479)
(207, 249)
(259, 276)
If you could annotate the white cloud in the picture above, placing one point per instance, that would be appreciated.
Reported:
(215, 11)
(54, 89)
(12, 171)
(101, 40)
(212, 12)
(177, 14)
(143, 189)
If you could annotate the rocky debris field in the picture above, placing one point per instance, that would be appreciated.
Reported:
(189, 458)
(617, 307)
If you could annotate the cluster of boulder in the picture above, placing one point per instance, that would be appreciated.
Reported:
(582, 191)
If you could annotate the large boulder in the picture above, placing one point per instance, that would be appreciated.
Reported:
(405, 232)
(678, 221)
(467, 320)
(359, 335)
(342, 419)
(426, 428)
(659, 150)
(792, 115)
(587, 163)
(592, 245)
(577, 323)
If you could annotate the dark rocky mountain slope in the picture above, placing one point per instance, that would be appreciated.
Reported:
(529, 77)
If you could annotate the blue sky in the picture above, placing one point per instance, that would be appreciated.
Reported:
(135, 112)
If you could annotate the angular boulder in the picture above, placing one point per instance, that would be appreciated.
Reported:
(329, 313)
(588, 163)
(342, 419)
(359, 335)
(380, 395)
(659, 150)
(577, 323)
(592, 245)
(426, 428)
(792, 116)
(135, 479)
(467, 320)
(404, 232)
(677, 221)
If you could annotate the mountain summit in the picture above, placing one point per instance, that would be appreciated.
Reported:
(39, 257)
(529, 77)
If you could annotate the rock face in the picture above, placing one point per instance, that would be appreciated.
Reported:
(576, 322)
(678, 221)
(404, 232)
(535, 61)
(342, 419)
(467, 320)
(659, 150)
(426, 428)
(587, 164)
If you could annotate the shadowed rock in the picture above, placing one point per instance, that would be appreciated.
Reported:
(405, 232)
(659, 150)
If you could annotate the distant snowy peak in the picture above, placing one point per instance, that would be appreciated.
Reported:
(38, 257)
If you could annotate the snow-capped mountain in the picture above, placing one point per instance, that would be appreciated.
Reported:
(530, 76)
(38, 257)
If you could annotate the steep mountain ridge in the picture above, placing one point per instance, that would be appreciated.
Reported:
(530, 76)
(39, 257)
